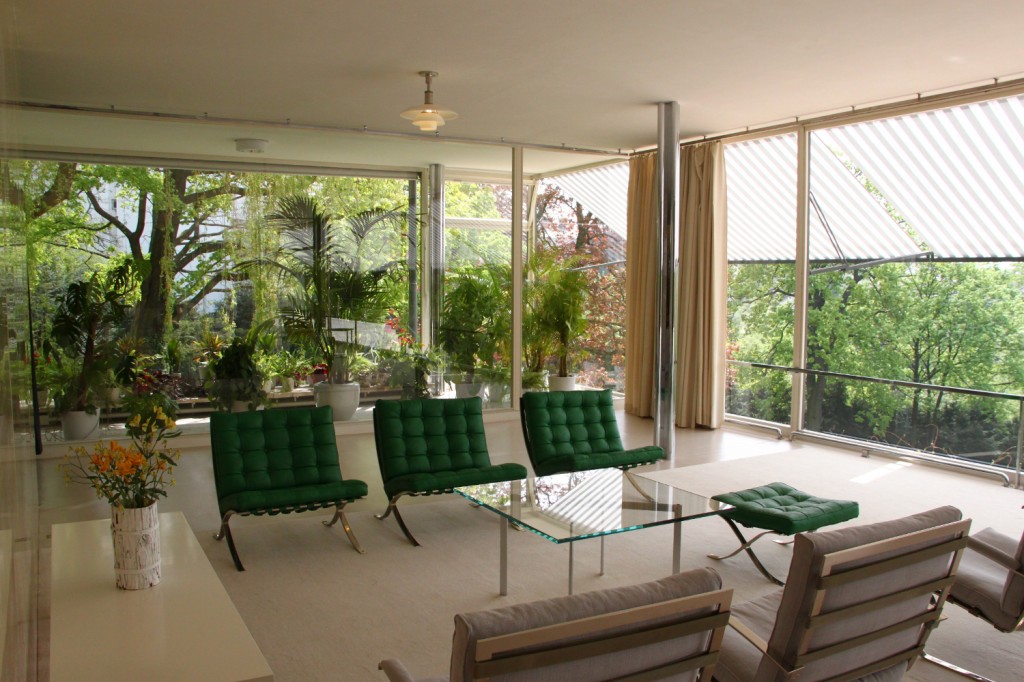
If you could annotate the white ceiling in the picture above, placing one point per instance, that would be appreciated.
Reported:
(582, 73)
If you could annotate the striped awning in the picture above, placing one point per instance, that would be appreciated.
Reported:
(948, 182)
(602, 191)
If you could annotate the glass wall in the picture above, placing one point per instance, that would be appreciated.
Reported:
(915, 290)
(761, 209)
(313, 277)
(924, 285)
(475, 329)
(575, 292)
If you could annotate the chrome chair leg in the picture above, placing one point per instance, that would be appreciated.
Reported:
(339, 515)
(393, 507)
(225, 532)
(955, 668)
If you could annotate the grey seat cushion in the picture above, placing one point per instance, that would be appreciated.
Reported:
(472, 627)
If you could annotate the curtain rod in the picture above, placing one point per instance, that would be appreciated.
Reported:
(289, 125)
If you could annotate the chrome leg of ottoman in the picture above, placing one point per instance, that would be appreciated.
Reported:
(745, 547)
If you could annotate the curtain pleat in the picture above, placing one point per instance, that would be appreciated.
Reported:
(701, 332)
(641, 284)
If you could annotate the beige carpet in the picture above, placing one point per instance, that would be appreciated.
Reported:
(320, 611)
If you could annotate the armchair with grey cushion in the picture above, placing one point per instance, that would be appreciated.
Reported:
(567, 431)
(666, 629)
(858, 604)
(990, 584)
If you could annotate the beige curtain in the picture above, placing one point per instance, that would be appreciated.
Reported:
(641, 283)
(701, 332)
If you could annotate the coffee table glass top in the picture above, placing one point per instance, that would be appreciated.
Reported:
(585, 504)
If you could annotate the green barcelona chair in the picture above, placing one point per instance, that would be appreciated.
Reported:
(568, 431)
(278, 462)
(431, 447)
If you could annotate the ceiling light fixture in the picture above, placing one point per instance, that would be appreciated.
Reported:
(251, 145)
(428, 117)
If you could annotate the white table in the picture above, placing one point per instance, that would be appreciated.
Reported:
(184, 628)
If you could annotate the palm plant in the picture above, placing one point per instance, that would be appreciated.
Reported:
(82, 334)
(561, 310)
(333, 284)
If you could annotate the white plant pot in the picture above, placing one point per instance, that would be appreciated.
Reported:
(467, 390)
(496, 392)
(136, 536)
(240, 406)
(343, 398)
(287, 384)
(268, 385)
(562, 383)
(79, 425)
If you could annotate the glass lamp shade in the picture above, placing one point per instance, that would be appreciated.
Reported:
(428, 119)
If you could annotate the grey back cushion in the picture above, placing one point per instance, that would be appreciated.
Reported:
(798, 597)
(1013, 589)
(471, 627)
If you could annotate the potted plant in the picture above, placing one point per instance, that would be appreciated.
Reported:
(236, 382)
(287, 366)
(561, 314)
(132, 478)
(335, 290)
(206, 349)
(463, 331)
(83, 346)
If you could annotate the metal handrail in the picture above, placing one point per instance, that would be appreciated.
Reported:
(916, 385)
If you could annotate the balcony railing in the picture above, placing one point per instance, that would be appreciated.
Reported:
(904, 445)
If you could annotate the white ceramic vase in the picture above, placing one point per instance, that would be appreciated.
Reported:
(136, 535)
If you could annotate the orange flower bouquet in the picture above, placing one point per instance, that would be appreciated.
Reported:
(129, 476)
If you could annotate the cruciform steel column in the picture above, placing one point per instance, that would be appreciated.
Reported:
(668, 259)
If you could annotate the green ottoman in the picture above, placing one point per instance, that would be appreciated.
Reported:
(781, 509)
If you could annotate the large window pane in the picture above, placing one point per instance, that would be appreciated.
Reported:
(761, 181)
(475, 330)
(916, 277)
(211, 257)
(576, 280)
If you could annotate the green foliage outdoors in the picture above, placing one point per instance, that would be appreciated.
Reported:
(943, 324)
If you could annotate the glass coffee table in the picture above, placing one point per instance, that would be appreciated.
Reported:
(565, 508)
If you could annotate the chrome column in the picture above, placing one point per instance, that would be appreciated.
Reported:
(668, 259)
(433, 256)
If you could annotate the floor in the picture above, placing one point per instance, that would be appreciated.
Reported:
(193, 492)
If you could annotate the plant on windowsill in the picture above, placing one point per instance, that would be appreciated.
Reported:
(335, 290)
(236, 382)
(561, 315)
(83, 346)
(463, 332)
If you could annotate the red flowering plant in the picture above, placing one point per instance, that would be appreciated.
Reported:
(408, 366)
(130, 476)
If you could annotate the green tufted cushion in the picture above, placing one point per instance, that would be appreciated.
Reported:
(269, 459)
(577, 431)
(434, 445)
(784, 509)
